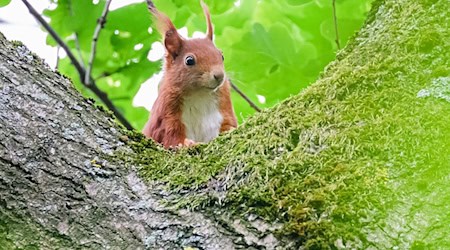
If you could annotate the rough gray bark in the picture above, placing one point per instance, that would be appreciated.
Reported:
(61, 186)
(67, 181)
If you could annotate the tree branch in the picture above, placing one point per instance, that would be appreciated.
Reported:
(77, 41)
(77, 44)
(57, 57)
(252, 104)
(55, 36)
(336, 25)
(81, 71)
(100, 24)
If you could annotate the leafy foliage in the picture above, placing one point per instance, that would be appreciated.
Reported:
(3, 3)
(272, 48)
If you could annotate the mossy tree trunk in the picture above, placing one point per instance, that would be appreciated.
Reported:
(358, 160)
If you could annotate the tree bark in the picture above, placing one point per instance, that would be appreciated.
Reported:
(68, 178)
(60, 184)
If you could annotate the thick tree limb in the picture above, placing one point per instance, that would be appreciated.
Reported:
(59, 169)
(356, 161)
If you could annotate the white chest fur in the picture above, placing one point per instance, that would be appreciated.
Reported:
(201, 116)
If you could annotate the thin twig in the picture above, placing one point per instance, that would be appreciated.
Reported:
(81, 71)
(336, 25)
(56, 37)
(252, 104)
(77, 45)
(77, 40)
(57, 57)
(100, 24)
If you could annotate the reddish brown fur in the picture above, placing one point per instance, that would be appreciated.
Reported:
(209, 32)
(226, 108)
(165, 124)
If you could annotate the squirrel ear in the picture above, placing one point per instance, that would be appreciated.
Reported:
(209, 32)
(172, 40)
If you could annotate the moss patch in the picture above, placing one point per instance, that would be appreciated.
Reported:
(21, 235)
(350, 161)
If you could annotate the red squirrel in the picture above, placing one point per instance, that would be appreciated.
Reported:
(193, 103)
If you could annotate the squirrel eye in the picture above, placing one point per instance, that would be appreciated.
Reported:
(190, 61)
(223, 58)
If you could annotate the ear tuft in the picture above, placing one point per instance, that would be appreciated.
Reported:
(209, 32)
(172, 40)
(151, 6)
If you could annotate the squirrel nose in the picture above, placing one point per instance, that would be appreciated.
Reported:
(219, 76)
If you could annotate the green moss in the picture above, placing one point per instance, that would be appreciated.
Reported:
(349, 161)
(17, 43)
(107, 112)
(21, 235)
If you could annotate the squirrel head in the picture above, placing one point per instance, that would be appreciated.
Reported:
(190, 64)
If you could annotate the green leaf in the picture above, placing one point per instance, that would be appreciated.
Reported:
(72, 17)
(3, 3)
(271, 48)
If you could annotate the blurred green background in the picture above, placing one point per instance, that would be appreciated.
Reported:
(272, 48)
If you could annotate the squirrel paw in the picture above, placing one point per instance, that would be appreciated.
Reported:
(189, 143)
